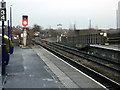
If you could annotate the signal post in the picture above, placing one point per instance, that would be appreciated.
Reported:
(24, 23)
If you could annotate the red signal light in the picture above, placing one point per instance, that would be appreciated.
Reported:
(25, 23)
(43, 43)
(25, 20)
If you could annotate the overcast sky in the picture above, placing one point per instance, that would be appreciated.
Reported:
(66, 12)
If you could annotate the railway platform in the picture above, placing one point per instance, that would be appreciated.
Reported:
(37, 68)
(110, 52)
(110, 47)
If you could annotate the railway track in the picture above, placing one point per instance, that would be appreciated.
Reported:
(110, 84)
(99, 60)
(96, 59)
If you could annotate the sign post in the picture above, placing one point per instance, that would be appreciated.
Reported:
(3, 18)
(24, 37)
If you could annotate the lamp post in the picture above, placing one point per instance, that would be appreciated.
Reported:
(11, 47)
(11, 21)
(9, 35)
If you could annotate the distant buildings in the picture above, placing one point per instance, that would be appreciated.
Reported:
(118, 16)
(59, 26)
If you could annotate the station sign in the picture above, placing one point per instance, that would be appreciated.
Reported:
(2, 14)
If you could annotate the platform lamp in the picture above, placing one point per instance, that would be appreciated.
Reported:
(11, 47)
(11, 21)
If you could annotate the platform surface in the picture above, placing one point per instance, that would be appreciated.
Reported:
(38, 68)
(108, 47)
(67, 74)
(27, 70)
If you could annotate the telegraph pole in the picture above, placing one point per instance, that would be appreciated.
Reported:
(117, 19)
(74, 26)
(90, 24)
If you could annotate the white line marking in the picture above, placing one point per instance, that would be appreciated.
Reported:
(77, 69)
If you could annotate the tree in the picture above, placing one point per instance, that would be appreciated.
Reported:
(37, 28)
